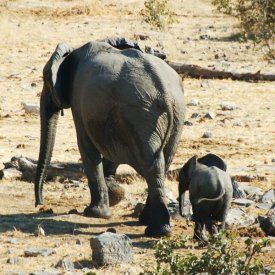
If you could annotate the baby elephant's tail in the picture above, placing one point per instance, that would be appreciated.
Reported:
(197, 201)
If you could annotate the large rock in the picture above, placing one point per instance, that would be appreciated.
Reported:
(268, 225)
(109, 249)
(239, 218)
(268, 197)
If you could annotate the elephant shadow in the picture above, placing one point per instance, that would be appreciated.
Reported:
(28, 223)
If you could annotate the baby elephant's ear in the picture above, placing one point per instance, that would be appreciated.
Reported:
(213, 160)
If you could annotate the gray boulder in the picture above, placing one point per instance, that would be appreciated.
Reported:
(110, 248)
(238, 218)
(269, 196)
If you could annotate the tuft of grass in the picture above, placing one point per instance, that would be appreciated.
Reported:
(221, 256)
(157, 14)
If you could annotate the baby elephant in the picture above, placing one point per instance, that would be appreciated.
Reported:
(210, 190)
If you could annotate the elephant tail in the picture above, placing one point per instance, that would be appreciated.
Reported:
(222, 193)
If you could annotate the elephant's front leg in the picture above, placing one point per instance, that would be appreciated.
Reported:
(158, 218)
(92, 159)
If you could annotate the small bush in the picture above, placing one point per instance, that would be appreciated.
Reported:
(257, 19)
(157, 14)
(220, 257)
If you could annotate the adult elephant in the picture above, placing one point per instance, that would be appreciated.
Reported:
(128, 108)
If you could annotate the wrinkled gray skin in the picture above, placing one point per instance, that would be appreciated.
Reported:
(128, 108)
(210, 190)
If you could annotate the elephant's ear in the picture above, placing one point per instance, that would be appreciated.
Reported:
(187, 170)
(213, 160)
(50, 73)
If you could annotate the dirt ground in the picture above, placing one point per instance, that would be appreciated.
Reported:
(244, 137)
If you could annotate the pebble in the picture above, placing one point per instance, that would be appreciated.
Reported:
(207, 135)
(194, 102)
(210, 115)
(188, 123)
(31, 108)
(228, 106)
(195, 115)
(13, 241)
(34, 252)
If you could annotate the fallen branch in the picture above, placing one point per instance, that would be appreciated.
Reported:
(195, 71)
(26, 169)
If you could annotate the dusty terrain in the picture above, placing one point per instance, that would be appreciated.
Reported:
(244, 137)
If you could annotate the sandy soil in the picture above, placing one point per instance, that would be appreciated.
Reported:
(244, 137)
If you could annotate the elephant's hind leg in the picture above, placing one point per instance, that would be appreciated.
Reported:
(92, 159)
(115, 191)
(158, 216)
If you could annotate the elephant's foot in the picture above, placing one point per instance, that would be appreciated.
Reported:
(98, 212)
(153, 231)
(115, 191)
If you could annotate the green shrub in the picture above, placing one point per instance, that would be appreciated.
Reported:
(222, 256)
(256, 17)
(157, 14)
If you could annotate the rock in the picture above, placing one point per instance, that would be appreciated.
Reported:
(78, 241)
(13, 260)
(34, 252)
(264, 206)
(268, 197)
(238, 192)
(13, 241)
(10, 174)
(205, 37)
(243, 202)
(205, 84)
(268, 225)
(188, 123)
(228, 106)
(238, 218)
(141, 36)
(39, 231)
(195, 115)
(216, 56)
(173, 208)
(194, 102)
(271, 211)
(273, 160)
(138, 209)
(66, 263)
(158, 53)
(31, 108)
(109, 249)
(210, 115)
(111, 229)
(73, 211)
(252, 190)
(207, 135)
